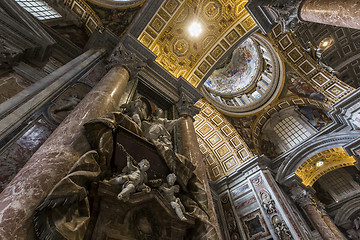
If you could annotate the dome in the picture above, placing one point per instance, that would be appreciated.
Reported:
(238, 72)
(248, 80)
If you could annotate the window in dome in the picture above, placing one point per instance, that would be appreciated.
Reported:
(40, 9)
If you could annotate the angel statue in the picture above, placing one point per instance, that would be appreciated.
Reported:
(132, 178)
(168, 190)
(159, 129)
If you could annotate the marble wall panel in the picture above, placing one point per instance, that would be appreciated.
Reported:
(11, 84)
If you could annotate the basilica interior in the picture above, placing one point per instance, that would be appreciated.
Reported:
(179, 119)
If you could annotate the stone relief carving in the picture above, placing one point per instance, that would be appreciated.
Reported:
(186, 107)
(281, 230)
(133, 177)
(267, 202)
(168, 190)
(68, 103)
(301, 196)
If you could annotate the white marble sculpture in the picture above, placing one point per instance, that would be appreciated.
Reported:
(168, 190)
(136, 110)
(159, 129)
(132, 178)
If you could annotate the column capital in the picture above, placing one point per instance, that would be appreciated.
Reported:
(125, 58)
(286, 13)
(302, 196)
(185, 106)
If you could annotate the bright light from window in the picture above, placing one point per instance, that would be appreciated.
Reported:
(195, 29)
(40, 9)
(319, 164)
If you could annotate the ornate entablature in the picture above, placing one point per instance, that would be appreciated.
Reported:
(220, 144)
(247, 84)
(320, 164)
(224, 23)
(320, 79)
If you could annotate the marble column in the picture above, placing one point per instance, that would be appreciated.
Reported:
(306, 201)
(60, 151)
(331, 12)
(329, 222)
(191, 150)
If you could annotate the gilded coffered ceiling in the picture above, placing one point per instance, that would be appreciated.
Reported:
(222, 147)
(320, 164)
(223, 24)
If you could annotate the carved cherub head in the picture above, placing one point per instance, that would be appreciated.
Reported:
(144, 165)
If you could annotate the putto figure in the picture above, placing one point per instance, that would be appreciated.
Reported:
(132, 178)
(168, 190)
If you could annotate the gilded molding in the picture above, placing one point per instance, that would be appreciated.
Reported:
(224, 23)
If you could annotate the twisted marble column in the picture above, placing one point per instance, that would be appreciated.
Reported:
(331, 12)
(305, 201)
(61, 150)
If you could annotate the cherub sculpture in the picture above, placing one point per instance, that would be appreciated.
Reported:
(159, 128)
(168, 190)
(132, 178)
(138, 110)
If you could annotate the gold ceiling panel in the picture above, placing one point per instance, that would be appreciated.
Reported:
(333, 88)
(224, 23)
(320, 164)
(221, 146)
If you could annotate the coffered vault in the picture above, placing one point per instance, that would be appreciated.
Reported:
(224, 23)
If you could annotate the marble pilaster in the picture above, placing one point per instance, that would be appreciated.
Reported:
(58, 154)
(331, 12)
(306, 201)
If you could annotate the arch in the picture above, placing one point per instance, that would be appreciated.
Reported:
(347, 211)
(310, 148)
(277, 106)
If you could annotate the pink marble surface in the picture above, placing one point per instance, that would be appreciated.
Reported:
(14, 157)
(55, 157)
(332, 12)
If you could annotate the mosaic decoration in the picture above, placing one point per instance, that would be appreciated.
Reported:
(274, 108)
(320, 164)
(238, 73)
(318, 118)
(301, 88)
(306, 67)
(222, 147)
(224, 22)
